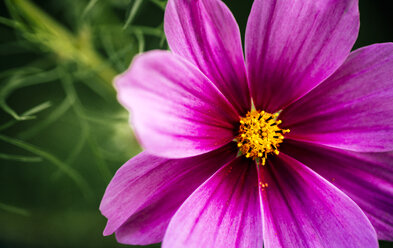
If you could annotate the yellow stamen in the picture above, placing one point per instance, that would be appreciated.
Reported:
(259, 135)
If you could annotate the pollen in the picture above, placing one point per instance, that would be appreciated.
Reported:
(260, 135)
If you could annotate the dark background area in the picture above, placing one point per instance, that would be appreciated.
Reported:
(62, 133)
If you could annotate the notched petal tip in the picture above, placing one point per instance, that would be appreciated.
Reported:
(146, 191)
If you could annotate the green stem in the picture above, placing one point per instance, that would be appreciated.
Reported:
(14, 210)
(48, 32)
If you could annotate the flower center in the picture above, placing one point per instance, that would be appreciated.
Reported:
(259, 135)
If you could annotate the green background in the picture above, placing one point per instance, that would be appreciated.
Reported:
(62, 133)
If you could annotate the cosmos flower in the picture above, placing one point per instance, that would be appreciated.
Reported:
(285, 146)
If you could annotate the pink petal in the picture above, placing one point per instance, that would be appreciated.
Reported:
(206, 33)
(177, 112)
(367, 178)
(146, 191)
(301, 209)
(223, 212)
(353, 108)
(292, 46)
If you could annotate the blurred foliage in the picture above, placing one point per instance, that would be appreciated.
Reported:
(62, 132)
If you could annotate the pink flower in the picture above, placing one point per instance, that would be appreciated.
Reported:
(309, 166)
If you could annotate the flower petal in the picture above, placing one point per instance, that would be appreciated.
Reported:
(367, 178)
(146, 191)
(353, 108)
(223, 212)
(301, 209)
(206, 33)
(177, 111)
(292, 46)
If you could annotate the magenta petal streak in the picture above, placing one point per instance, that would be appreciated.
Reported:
(301, 209)
(353, 108)
(292, 46)
(365, 177)
(331, 185)
(176, 111)
(223, 212)
(147, 190)
(206, 33)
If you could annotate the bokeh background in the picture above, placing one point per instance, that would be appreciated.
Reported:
(62, 132)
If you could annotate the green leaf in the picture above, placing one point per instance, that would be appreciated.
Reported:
(20, 158)
(74, 175)
(134, 10)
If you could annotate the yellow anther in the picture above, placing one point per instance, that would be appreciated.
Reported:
(259, 135)
(263, 185)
